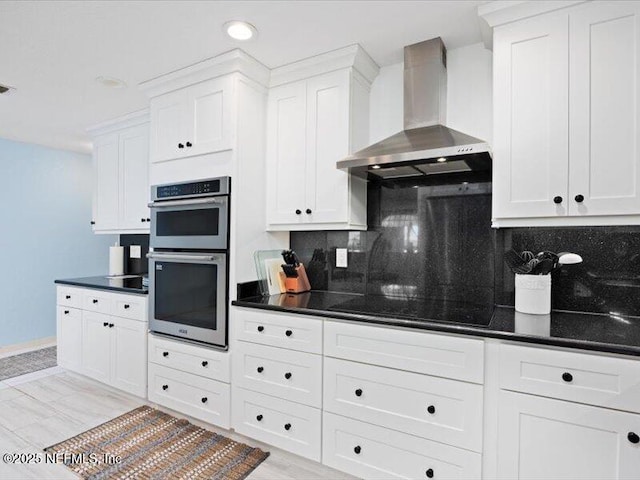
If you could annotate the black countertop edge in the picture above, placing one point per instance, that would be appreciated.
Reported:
(470, 330)
(92, 282)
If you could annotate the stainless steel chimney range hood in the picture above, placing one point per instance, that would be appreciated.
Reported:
(426, 150)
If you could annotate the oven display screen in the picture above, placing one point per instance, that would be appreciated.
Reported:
(184, 189)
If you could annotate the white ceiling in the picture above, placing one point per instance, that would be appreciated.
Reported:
(53, 51)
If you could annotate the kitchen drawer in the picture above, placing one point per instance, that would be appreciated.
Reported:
(199, 397)
(580, 377)
(296, 376)
(130, 306)
(202, 361)
(98, 301)
(447, 411)
(414, 350)
(295, 332)
(287, 425)
(373, 452)
(69, 296)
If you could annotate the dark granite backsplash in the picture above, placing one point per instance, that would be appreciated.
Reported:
(136, 265)
(437, 243)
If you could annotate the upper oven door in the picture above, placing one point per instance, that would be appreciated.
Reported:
(199, 224)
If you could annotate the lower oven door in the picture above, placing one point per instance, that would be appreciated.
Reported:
(188, 296)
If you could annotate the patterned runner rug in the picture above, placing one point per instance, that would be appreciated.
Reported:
(28, 362)
(146, 443)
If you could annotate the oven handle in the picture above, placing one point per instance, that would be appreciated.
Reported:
(197, 258)
(188, 201)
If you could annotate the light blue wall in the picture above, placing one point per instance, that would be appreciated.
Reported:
(45, 210)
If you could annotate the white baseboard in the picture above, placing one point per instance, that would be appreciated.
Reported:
(27, 346)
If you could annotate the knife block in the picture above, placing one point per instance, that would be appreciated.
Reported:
(297, 284)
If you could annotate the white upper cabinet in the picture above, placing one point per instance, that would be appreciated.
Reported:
(192, 121)
(121, 164)
(317, 114)
(566, 108)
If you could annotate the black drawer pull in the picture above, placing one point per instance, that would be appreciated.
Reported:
(359, 392)
(260, 328)
(66, 312)
(298, 211)
(205, 363)
(633, 437)
(165, 354)
(431, 409)
(142, 220)
(567, 377)
(188, 144)
(557, 200)
(126, 306)
(288, 333)
(287, 375)
(180, 145)
(429, 473)
(111, 325)
(204, 399)
(68, 297)
(95, 300)
(164, 387)
(259, 418)
(105, 324)
(357, 449)
(579, 198)
(260, 369)
(287, 426)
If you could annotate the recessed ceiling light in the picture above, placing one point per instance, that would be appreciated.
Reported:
(239, 30)
(111, 82)
(375, 167)
(442, 159)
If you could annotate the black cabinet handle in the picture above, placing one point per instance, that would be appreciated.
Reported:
(287, 426)
(431, 409)
(148, 219)
(633, 437)
(189, 144)
(164, 387)
(287, 375)
(205, 363)
(92, 222)
(288, 333)
(308, 211)
(579, 198)
(126, 306)
(429, 473)
(298, 211)
(165, 354)
(204, 399)
(105, 324)
(357, 449)
(111, 325)
(180, 145)
(68, 297)
(95, 300)
(260, 328)
(66, 312)
(358, 392)
(567, 377)
(260, 369)
(557, 200)
(259, 418)
(142, 220)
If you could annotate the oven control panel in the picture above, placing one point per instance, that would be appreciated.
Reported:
(201, 188)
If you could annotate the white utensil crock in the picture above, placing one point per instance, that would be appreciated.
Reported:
(533, 294)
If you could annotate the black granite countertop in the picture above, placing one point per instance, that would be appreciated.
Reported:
(121, 283)
(600, 332)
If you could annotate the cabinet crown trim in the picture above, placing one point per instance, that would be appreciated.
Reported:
(234, 61)
(132, 119)
(352, 56)
(501, 12)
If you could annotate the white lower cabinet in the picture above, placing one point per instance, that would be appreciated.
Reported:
(97, 340)
(542, 438)
(287, 425)
(374, 452)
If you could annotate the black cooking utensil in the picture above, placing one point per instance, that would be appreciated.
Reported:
(516, 263)
(543, 267)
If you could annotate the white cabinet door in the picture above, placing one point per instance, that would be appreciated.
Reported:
(540, 438)
(134, 178)
(96, 346)
(530, 167)
(129, 355)
(209, 111)
(69, 338)
(169, 128)
(327, 188)
(605, 106)
(105, 203)
(286, 154)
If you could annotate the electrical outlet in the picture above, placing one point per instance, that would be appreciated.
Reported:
(341, 258)
(135, 251)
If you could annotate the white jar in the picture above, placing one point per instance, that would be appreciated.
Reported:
(533, 294)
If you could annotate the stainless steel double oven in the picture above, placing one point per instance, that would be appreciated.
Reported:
(188, 281)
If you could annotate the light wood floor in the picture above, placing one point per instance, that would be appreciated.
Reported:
(43, 408)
